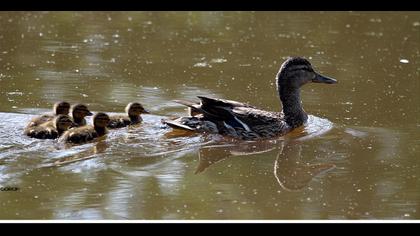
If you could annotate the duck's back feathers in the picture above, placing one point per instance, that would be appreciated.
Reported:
(118, 121)
(79, 135)
(206, 101)
(87, 133)
(78, 123)
(232, 118)
(45, 130)
(36, 121)
(178, 124)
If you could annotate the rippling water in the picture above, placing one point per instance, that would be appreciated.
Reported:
(357, 158)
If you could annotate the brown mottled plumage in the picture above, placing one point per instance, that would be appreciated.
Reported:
(79, 112)
(243, 121)
(51, 129)
(60, 108)
(87, 133)
(133, 110)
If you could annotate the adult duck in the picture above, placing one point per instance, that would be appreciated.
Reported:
(244, 121)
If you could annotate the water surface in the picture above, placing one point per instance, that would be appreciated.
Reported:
(357, 158)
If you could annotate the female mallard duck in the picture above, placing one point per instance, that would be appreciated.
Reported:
(79, 112)
(51, 129)
(87, 133)
(60, 108)
(133, 110)
(247, 122)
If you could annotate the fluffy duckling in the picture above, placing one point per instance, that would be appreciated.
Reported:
(51, 129)
(79, 112)
(87, 133)
(133, 110)
(60, 108)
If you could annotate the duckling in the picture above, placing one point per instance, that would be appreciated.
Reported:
(60, 108)
(79, 112)
(51, 129)
(87, 133)
(133, 110)
(243, 121)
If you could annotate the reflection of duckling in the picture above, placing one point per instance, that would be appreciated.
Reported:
(60, 108)
(79, 112)
(99, 147)
(87, 133)
(134, 110)
(51, 129)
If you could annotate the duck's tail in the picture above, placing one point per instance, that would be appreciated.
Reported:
(194, 108)
(176, 125)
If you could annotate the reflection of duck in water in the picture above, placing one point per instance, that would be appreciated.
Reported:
(209, 155)
(133, 110)
(244, 121)
(79, 112)
(60, 108)
(51, 129)
(291, 173)
(87, 133)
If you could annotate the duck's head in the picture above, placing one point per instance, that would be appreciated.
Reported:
(100, 120)
(63, 122)
(297, 71)
(135, 109)
(61, 108)
(79, 111)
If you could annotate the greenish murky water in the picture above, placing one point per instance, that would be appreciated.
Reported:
(358, 157)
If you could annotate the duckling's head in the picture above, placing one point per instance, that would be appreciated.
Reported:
(100, 120)
(63, 122)
(135, 109)
(79, 111)
(61, 108)
(297, 71)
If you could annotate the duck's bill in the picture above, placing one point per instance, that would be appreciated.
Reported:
(89, 113)
(145, 111)
(323, 79)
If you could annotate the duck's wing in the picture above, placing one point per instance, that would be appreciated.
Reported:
(36, 121)
(118, 121)
(228, 117)
(217, 111)
(194, 107)
(178, 125)
(206, 101)
(79, 134)
(237, 114)
(44, 131)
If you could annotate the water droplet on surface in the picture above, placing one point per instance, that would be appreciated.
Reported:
(404, 61)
